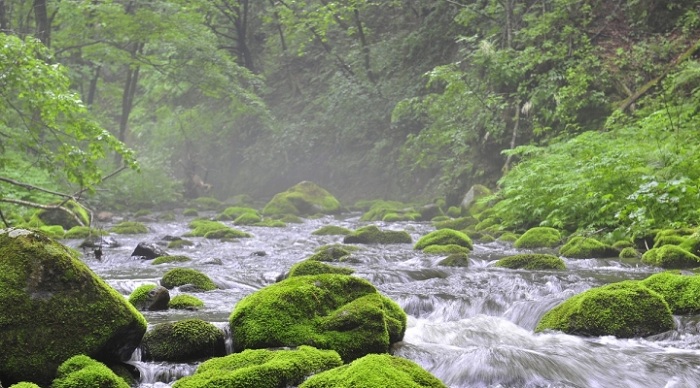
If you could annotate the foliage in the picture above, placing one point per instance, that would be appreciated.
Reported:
(83, 371)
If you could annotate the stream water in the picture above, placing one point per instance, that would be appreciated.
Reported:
(470, 327)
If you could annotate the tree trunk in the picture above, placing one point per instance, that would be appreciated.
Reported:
(241, 24)
(365, 47)
(43, 27)
(132, 79)
(3, 17)
(93, 86)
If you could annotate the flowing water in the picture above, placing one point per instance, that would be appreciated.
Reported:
(470, 327)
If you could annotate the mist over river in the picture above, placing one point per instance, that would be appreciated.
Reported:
(470, 327)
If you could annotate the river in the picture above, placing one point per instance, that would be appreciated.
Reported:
(470, 327)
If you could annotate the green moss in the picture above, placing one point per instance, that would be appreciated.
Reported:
(329, 311)
(670, 257)
(444, 237)
(24, 384)
(622, 244)
(190, 212)
(140, 295)
(681, 292)
(77, 232)
(625, 309)
(233, 212)
(129, 227)
(226, 234)
(533, 261)
(82, 371)
(53, 231)
(179, 243)
(180, 276)
(150, 297)
(373, 235)
(445, 249)
(587, 247)
(377, 210)
(170, 259)
(331, 230)
(539, 237)
(508, 237)
(629, 253)
(332, 253)
(291, 219)
(66, 220)
(213, 230)
(303, 199)
(207, 203)
(314, 267)
(456, 224)
(454, 211)
(54, 307)
(261, 368)
(375, 370)
(247, 219)
(183, 341)
(460, 259)
(437, 219)
(668, 240)
(185, 302)
(167, 216)
(270, 223)
(142, 213)
(487, 224)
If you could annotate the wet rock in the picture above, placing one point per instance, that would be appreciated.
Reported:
(444, 237)
(83, 371)
(586, 247)
(179, 277)
(539, 237)
(303, 199)
(533, 261)
(372, 235)
(147, 251)
(183, 341)
(150, 297)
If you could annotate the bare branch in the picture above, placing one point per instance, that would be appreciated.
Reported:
(32, 187)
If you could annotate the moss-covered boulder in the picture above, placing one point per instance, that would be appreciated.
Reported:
(671, 257)
(54, 307)
(629, 253)
(314, 267)
(532, 261)
(508, 237)
(76, 216)
(179, 243)
(456, 224)
(233, 212)
(373, 235)
(129, 227)
(213, 230)
(24, 384)
(586, 247)
(682, 292)
(460, 259)
(261, 368)
(303, 199)
(539, 237)
(375, 370)
(171, 259)
(331, 230)
(247, 219)
(333, 253)
(444, 237)
(183, 341)
(185, 302)
(207, 203)
(83, 371)
(83, 232)
(446, 249)
(338, 312)
(150, 297)
(378, 210)
(180, 276)
(625, 309)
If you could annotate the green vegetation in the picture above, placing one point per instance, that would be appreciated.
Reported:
(671, 256)
(83, 371)
(460, 259)
(185, 302)
(457, 223)
(625, 309)
(330, 311)
(214, 230)
(438, 249)
(262, 368)
(371, 234)
(375, 370)
(182, 341)
(303, 199)
(444, 237)
(315, 267)
(171, 259)
(333, 253)
(680, 291)
(233, 212)
(533, 261)
(178, 244)
(331, 230)
(539, 237)
(150, 297)
(180, 276)
(587, 247)
(129, 227)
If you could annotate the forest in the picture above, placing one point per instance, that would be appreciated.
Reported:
(580, 115)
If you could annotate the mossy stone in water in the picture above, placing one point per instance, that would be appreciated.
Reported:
(456, 224)
(373, 235)
(182, 341)
(213, 230)
(375, 370)
(586, 247)
(533, 261)
(670, 257)
(303, 199)
(171, 259)
(508, 237)
(314, 267)
(333, 253)
(150, 297)
(54, 307)
(83, 232)
(446, 249)
(329, 311)
(444, 237)
(129, 227)
(180, 276)
(247, 219)
(625, 309)
(331, 230)
(83, 371)
(233, 212)
(682, 292)
(455, 260)
(629, 253)
(185, 302)
(539, 237)
(261, 368)
(65, 219)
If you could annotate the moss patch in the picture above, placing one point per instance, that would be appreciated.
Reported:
(331, 230)
(444, 237)
(129, 227)
(629, 253)
(586, 247)
(179, 243)
(182, 341)
(456, 224)
(54, 307)
(455, 260)
(313, 267)
(170, 259)
(373, 235)
(261, 368)
(180, 276)
(213, 230)
(625, 309)
(83, 232)
(682, 292)
(329, 311)
(150, 297)
(333, 253)
(445, 249)
(185, 302)
(539, 237)
(670, 257)
(532, 261)
(83, 371)
(303, 199)
(375, 370)
(233, 212)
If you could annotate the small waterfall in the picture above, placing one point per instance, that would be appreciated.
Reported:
(158, 374)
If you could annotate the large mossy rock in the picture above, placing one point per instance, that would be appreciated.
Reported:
(625, 309)
(183, 341)
(532, 261)
(261, 368)
(83, 371)
(55, 307)
(585, 247)
(671, 257)
(682, 292)
(177, 277)
(315, 267)
(371, 234)
(330, 311)
(375, 370)
(303, 199)
(444, 237)
(539, 237)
